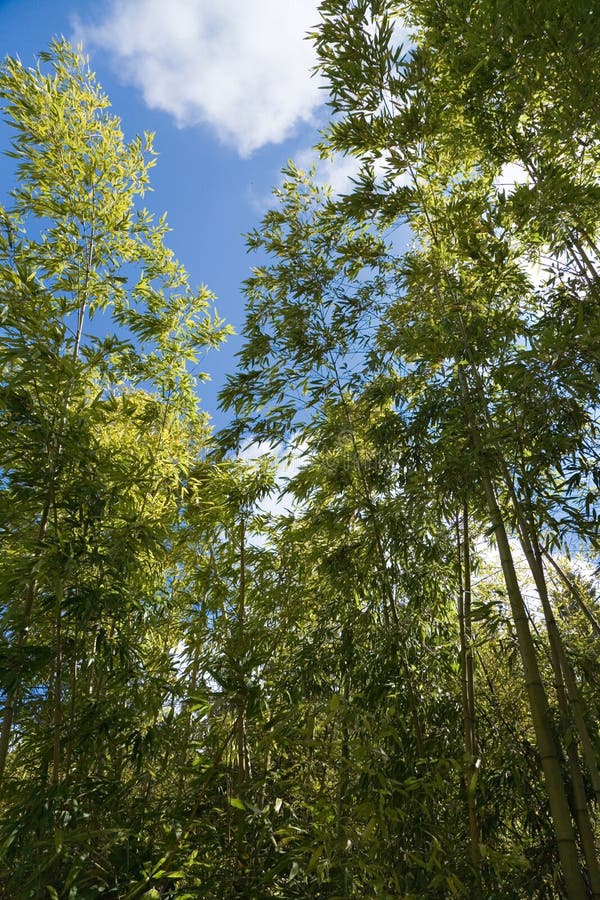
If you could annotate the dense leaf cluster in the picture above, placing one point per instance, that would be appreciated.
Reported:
(365, 663)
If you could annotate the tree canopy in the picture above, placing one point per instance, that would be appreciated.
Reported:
(376, 675)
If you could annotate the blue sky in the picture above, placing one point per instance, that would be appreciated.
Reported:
(226, 87)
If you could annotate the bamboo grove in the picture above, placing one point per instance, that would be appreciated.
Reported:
(350, 645)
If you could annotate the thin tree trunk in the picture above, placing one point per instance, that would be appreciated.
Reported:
(573, 695)
(240, 730)
(389, 605)
(72, 705)
(11, 700)
(343, 781)
(193, 683)
(57, 712)
(468, 685)
(574, 591)
(579, 802)
(561, 665)
(538, 701)
(530, 545)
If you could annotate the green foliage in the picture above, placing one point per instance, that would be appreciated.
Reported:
(98, 431)
(377, 676)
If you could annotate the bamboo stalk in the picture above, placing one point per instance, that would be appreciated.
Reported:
(538, 701)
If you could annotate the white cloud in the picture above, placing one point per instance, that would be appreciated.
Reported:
(384, 168)
(243, 68)
(511, 176)
(335, 171)
(288, 463)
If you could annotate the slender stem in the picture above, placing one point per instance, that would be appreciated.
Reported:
(11, 700)
(242, 747)
(574, 590)
(387, 586)
(57, 714)
(470, 734)
(467, 683)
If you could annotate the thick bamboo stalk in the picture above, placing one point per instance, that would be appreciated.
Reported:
(530, 545)
(538, 701)
(560, 662)
(579, 804)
